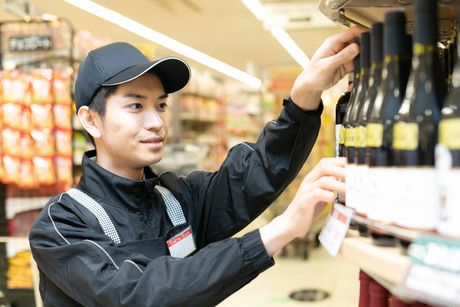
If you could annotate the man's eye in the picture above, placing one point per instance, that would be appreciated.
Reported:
(135, 106)
(162, 106)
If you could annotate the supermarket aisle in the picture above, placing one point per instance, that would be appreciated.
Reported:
(337, 276)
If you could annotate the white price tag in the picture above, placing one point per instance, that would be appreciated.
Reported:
(435, 283)
(335, 230)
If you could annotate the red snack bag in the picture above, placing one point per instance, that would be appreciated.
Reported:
(42, 115)
(27, 146)
(64, 169)
(63, 116)
(11, 142)
(26, 174)
(43, 142)
(64, 142)
(14, 87)
(44, 167)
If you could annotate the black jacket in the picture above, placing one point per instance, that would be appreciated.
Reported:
(79, 265)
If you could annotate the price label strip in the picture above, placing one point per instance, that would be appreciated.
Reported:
(335, 230)
(435, 271)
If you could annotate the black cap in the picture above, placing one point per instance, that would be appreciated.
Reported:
(426, 22)
(120, 62)
(376, 43)
(395, 33)
(365, 45)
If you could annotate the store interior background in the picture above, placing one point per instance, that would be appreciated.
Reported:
(216, 112)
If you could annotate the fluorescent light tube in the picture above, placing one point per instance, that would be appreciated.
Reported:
(165, 41)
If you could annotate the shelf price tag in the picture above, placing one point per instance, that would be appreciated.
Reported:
(335, 230)
(435, 270)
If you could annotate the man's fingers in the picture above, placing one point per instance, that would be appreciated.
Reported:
(328, 167)
(344, 56)
(331, 184)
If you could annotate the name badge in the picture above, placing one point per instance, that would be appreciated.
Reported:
(182, 244)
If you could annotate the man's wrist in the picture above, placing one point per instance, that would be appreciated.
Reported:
(276, 234)
(307, 101)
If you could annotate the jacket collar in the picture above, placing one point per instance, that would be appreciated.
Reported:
(113, 189)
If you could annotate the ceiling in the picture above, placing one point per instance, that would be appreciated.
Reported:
(224, 29)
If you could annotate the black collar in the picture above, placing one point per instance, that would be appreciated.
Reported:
(113, 189)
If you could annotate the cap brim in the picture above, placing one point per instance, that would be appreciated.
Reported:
(173, 72)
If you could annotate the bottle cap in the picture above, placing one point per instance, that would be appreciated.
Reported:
(394, 33)
(426, 22)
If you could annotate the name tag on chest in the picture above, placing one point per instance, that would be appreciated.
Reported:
(182, 244)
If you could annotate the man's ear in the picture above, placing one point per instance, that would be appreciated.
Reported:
(89, 120)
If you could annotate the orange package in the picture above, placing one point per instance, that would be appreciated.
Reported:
(11, 142)
(26, 175)
(42, 115)
(44, 167)
(41, 86)
(12, 115)
(14, 86)
(27, 146)
(63, 116)
(64, 170)
(43, 140)
(11, 166)
(64, 142)
(62, 87)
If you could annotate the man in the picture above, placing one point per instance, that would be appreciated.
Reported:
(128, 237)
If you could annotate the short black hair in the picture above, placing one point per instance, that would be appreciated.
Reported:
(98, 104)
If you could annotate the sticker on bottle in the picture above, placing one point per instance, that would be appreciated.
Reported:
(342, 135)
(374, 135)
(360, 137)
(405, 136)
(335, 229)
(350, 137)
(449, 133)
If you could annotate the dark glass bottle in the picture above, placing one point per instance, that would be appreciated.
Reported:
(449, 137)
(396, 72)
(340, 111)
(415, 132)
(353, 98)
(374, 85)
(364, 42)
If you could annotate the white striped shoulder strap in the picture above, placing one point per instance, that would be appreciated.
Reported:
(173, 209)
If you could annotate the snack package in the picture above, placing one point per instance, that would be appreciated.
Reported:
(64, 142)
(12, 115)
(41, 86)
(63, 116)
(27, 146)
(26, 175)
(44, 168)
(43, 140)
(42, 115)
(62, 87)
(64, 170)
(11, 167)
(14, 86)
(11, 142)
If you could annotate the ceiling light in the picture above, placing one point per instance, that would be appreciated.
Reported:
(165, 41)
(283, 38)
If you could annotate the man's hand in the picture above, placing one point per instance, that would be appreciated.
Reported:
(330, 63)
(317, 189)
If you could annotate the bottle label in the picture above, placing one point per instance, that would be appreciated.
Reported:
(342, 135)
(381, 192)
(350, 137)
(417, 198)
(420, 49)
(450, 210)
(449, 133)
(374, 135)
(351, 180)
(405, 136)
(360, 137)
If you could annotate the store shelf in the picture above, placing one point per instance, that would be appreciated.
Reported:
(15, 205)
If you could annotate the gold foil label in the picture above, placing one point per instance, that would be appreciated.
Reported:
(342, 135)
(405, 136)
(449, 133)
(374, 135)
(350, 137)
(360, 137)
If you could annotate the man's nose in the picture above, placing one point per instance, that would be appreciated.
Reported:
(153, 120)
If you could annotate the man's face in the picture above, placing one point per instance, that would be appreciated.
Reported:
(135, 126)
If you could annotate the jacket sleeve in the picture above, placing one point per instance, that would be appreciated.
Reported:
(86, 266)
(253, 175)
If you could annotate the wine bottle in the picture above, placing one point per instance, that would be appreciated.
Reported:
(376, 55)
(340, 111)
(351, 174)
(381, 172)
(415, 131)
(449, 137)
